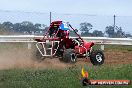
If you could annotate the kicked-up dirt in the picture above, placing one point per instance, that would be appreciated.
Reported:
(23, 58)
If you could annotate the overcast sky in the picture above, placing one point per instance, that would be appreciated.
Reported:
(103, 7)
(79, 10)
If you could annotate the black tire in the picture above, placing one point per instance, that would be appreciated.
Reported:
(69, 56)
(97, 57)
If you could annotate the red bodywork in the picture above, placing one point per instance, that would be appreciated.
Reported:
(82, 49)
(63, 36)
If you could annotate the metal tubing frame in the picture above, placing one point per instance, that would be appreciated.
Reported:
(44, 48)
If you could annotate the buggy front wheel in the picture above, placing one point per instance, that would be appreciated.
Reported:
(97, 57)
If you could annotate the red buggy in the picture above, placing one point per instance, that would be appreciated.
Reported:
(57, 43)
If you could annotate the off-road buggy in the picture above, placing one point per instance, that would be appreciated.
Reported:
(57, 43)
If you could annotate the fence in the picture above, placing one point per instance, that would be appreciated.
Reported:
(97, 40)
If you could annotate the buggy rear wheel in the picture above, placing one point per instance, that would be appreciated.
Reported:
(97, 57)
(69, 56)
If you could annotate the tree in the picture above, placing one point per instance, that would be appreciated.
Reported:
(110, 31)
(85, 28)
(115, 31)
(27, 26)
(128, 35)
(17, 27)
(24, 27)
(8, 26)
(37, 26)
(119, 32)
(98, 33)
(44, 28)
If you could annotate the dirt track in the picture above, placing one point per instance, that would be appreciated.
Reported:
(22, 58)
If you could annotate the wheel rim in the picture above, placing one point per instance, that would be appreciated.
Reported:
(99, 57)
(73, 57)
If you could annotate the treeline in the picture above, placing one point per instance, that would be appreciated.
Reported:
(27, 27)
(24, 27)
(110, 31)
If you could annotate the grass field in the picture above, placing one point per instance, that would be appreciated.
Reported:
(115, 47)
(62, 78)
(65, 77)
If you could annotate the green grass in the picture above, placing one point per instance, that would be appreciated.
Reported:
(114, 47)
(62, 78)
